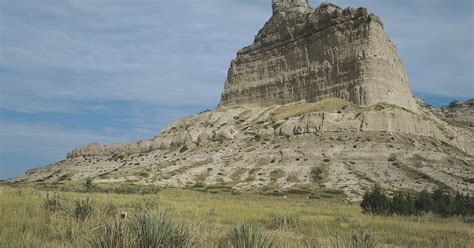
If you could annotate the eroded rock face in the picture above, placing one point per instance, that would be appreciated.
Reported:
(225, 124)
(289, 5)
(314, 54)
(246, 147)
(459, 113)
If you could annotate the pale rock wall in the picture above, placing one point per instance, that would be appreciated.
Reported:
(288, 5)
(316, 54)
(243, 122)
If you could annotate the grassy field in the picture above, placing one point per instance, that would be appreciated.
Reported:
(25, 222)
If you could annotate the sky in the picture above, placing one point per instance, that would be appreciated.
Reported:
(74, 72)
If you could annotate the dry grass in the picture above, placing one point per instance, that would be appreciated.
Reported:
(26, 223)
(329, 104)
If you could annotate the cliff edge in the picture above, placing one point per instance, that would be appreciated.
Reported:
(305, 54)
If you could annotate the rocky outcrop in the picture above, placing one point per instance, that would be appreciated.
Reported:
(356, 146)
(314, 54)
(458, 113)
(320, 89)
(342, 117)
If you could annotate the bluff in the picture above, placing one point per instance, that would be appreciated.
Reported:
(319, 104)
(313, 54)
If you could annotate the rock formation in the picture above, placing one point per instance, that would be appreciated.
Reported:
(458, 113)
(320, 91)
(313, 54)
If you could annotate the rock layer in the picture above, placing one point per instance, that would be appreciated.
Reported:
(277, 148)
(313, 54)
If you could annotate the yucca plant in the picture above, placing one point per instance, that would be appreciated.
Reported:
(284, 221)
(108, 209)
(113, 235)
(357, 239)
(70, 230)
(311, 243)
(157, 228)
(247, 235)
(82, 209)
(52, 204)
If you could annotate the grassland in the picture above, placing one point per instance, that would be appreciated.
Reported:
(24, 221)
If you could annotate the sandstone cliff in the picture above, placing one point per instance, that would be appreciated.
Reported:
(313, 54)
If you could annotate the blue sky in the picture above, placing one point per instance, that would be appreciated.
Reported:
(83, 71)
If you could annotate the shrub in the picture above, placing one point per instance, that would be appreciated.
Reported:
(357, 239)
(143, 174)
(375, 201)
(284, 221)
(423, 201)
(247, 235)
(89, 185)
(125, 189)
(440, 202)
(69, 230)
(52, 204)
(402, 204)
(82, 209)
(311, 242)
(113, 235)
(156, 228)
(183, 149)
(317, 174)
(109, 209)
(64, 177)
(463, 205)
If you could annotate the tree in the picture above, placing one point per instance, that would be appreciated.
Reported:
(375, 201)
(89, 185)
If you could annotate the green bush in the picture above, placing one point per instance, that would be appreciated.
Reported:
(317, 174)
(82, 209)
(357, 239)
(52, 204)
(439, 202)
(442, 203)
(423, 201)
(403, 204)
(247, 235)
(183, 149)
(126, 189)
(113, 235)
(89, 185)
(109, 209)
(156, 228)
(284, 221)
(143, 174)
(375, 201)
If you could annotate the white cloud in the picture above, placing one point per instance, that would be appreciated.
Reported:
(161, 52)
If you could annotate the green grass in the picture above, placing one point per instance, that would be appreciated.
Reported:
(26, 222)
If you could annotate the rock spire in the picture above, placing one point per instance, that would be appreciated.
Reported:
(314, 54)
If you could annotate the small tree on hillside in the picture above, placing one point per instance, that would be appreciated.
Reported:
(89, 185)
(375, 201)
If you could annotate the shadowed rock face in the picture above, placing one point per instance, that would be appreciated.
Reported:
(314, 54)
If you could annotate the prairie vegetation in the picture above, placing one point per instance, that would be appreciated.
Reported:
(32, 217)
(440, 202)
